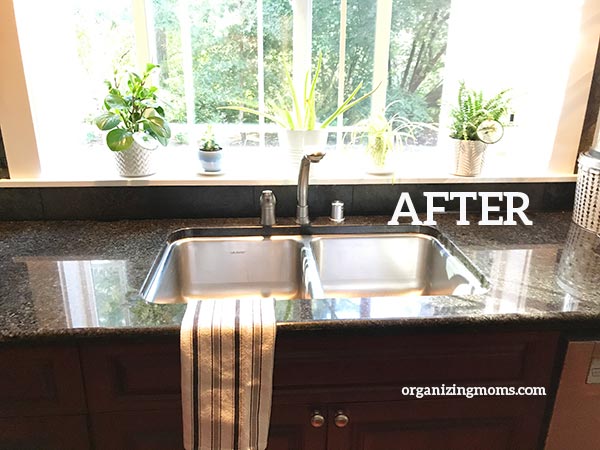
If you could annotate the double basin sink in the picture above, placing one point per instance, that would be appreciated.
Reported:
(309, 263)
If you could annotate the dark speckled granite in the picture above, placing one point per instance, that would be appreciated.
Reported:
(61, 279)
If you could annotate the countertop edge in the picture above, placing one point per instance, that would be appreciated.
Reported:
(564, 322)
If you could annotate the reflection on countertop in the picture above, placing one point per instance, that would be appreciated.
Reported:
(66, 278)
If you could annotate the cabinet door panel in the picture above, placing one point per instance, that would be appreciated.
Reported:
(454, 424)
(48, 433)
(129, 375)
(140, 430)
(290, 429)
(39, 381)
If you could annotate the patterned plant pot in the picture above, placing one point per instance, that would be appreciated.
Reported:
(468, 157)
(137, 160)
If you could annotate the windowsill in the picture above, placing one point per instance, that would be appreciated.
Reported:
(180, 167)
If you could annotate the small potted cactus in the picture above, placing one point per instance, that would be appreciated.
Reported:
(210, 152)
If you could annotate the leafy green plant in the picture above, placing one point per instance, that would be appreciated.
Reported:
(132, 108)
(473, 109)
(208, 142)
(300, 113)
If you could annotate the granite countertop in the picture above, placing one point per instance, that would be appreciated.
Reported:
(81, 278)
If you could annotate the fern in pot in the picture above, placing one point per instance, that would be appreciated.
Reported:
(476, 122)
(135, 122)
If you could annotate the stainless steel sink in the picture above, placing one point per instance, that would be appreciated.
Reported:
(323, 262)
(389, 265)
(200, 268)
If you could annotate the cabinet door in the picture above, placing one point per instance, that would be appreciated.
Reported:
(138, 430)
(291, 428)
(40, 381)
(128, 375)
(455, 424)
(48, 433)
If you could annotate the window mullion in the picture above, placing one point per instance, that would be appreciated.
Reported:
(188, 66)
(341, 69)
(144, 29)
(383, 27)
(261, 69)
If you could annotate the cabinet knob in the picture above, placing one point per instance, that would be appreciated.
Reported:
(341, 419)
(317, 420)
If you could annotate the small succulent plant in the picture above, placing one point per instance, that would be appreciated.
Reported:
(208, 142)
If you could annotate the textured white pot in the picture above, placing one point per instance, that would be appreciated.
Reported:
(468, 157)
(139, 160)
(298, 142)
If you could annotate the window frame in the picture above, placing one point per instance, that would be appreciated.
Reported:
(19, 129)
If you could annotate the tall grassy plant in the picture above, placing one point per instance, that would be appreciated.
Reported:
(295, 112)
(472, 109)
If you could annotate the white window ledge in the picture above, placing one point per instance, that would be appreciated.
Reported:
(252, 166)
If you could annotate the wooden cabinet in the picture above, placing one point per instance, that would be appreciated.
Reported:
(37, 381)
(132, 399)
(291, 428)
(137, 430)
(47, 433)
(126, 375)
(42, 401)
(361, 381)
(433, 424)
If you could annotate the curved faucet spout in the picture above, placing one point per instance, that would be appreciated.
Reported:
(302, 193)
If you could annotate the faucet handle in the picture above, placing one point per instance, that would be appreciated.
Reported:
(267, 208)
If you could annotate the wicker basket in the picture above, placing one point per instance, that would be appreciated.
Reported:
(586, 210)
(579, 262)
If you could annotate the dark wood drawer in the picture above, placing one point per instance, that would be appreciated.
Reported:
(47, 433)
(131, 375)
(38, 381)
(336, 368)
(143, 430)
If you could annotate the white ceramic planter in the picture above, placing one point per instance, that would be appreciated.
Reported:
(139, 160)
(298, 142)
(468, 157)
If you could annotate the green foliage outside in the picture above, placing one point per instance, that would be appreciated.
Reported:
(225, 64)
(225, 56)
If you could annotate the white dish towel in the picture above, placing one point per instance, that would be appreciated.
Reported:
(227, 350)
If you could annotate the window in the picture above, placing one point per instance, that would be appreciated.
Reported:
(215, 53)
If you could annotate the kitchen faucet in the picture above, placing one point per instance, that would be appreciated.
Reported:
(302, 193)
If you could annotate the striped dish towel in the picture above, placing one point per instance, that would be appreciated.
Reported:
(227, 350)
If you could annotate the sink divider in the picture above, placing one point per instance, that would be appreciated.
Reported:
(310, 275)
